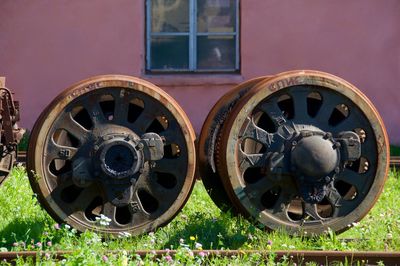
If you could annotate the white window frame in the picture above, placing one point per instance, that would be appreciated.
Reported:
(193, 34)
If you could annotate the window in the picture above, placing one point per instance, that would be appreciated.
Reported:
(192, 35)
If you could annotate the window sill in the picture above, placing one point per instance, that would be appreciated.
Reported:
(181, 80)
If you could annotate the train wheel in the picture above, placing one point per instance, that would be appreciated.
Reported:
(115, 146)
(208, 140)
(304, 151)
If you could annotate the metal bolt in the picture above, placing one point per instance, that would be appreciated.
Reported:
(327, 135)
(336, 145)
(366, 166)
(294, 143)
(139, 146)
(362, 135)
(337, 170)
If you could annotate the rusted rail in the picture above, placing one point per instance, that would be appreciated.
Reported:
(299, 257)
(21, 157)
(395, 161)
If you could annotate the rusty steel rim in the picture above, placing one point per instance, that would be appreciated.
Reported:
(278, 200)
(207, 145)
(116, 146)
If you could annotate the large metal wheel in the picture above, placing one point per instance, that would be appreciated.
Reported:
(208, 140)
(116, 146)
(304, 151)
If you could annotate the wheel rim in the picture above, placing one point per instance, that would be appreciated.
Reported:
(208, 143)
(112, 145)
(280, 200)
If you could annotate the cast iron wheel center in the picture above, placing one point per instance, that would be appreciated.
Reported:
(119, 157)
(315, 156)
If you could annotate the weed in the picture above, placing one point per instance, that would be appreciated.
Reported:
(24, 225)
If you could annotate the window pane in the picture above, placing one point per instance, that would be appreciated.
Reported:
(216, 15)
(170, 15)
(170, 52)
(216, 52)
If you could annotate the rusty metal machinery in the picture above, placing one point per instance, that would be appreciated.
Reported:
(10, 133)
(208, 143)
(115, 146)
(302, 150)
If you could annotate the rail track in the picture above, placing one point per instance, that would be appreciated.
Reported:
(299, 256)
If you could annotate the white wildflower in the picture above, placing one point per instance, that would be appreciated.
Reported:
(124, 235)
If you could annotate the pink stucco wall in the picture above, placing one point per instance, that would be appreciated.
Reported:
(47, 45)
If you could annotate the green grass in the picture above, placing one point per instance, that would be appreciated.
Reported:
(394, 150)
(23, 224)
(23, 143)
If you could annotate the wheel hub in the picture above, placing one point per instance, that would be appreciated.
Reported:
(314, 156)
(119, 155)
(311, 157)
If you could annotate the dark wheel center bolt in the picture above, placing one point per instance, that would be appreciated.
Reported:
(314, 156)
(119, 158)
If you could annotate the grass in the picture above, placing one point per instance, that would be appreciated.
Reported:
(394, 150)
(25, 226)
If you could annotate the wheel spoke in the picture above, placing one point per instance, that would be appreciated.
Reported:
(163, 195)
(109, 210)
(280, 209)
(56, 193)
(257, 189)
(121, 109)
(311, 210)
(250, 161)
(144, 120)
(173, 133)
(171, 166)
(85, 198)
(329, 102)
(355, 179)
(348, 124)
(139, 216)
(254, 132)
(272, 109)
(346, 206)
(55, 151)
(92, 106)
(369, 149)
(64, 176)
(70, 125)
(299, 97)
